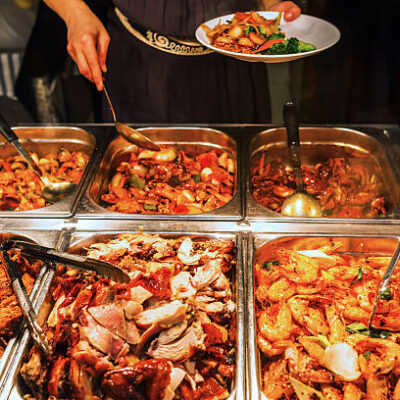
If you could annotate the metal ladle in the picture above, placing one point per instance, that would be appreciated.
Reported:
(130, 134)
(52, 192)
(300, 203)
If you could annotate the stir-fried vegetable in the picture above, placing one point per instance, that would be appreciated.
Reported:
(251, 33)
(171, 182)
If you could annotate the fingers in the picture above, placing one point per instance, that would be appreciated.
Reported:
(83, 51)
(102, 48)
(80, 60)
(290, 10)
(93, 61)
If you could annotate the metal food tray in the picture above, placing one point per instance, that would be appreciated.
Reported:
(47, 238)
(193, 140)
(350, 242)
(44, 140)
(13, 387)
(318, 144)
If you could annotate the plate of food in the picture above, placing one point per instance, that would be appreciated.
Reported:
(266, 36)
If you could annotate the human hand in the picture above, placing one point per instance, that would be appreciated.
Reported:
(290, 10)
(88, 43)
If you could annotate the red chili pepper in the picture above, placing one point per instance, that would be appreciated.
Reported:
(181, 209)
(240, 16)
(268, 44)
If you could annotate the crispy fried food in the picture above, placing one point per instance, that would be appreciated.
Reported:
(21, 188)
(315, 338)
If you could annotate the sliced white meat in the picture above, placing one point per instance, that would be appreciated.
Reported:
(181, 349)
(207, 274)
(176, 377)
(222, 283)
(102, 339)
(132, 333)
(131, 308)
(172, 333)
(111, 317)
(184, 250)
(53, 320)
(140, 294)
(181, 286)
(165, 316)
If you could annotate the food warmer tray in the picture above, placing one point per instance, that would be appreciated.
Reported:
(46, 139)
(12, 387)
(35, 234)
(383, 141)
(193, 140)
(378, 242)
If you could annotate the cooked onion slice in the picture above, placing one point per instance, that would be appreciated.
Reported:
(342, 359)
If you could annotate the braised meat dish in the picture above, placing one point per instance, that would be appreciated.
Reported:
(312, 310)
(171, 181)
(21, 188)
(169, 333)
(345, 187)
(10, 312)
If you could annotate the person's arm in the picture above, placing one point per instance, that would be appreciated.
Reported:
(88, 40)
(290, 10)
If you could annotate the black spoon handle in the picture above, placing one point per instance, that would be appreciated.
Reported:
(293, 141)
(6, 130)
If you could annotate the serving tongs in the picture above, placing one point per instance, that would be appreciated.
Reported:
(385, 283)
(81, 263)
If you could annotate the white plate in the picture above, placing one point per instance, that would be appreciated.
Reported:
(322, 34)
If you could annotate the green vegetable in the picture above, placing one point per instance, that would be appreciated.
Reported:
(303, 391)
(289, 46)
(358, 327)
(150, 207)
(269, 264)
(321, 340)
(276, 36)
(358, 277)
(137, 182)
(303, 46)
(386, 294)
(249, 29)
(367, 355)
(197, 178)
(326, 213)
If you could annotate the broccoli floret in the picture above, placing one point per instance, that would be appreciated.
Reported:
(249, 29)
(303, 46)
(276, 49)
(276, 36)
(292, 46)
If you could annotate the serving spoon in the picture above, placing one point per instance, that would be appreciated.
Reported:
(300, 203)
(130, 134)
(52, 192)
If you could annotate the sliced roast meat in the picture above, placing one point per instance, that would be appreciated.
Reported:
(166, 315)
(181, 349)
(207, 274)
(140, 294)
(111, 317)
(181, 286)
(102, 339)
(173, 333)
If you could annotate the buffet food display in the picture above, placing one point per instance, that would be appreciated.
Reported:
(176, 330)
(21, 188)
(171, 181)
(169, 333)
(10, 311)
(346, 186)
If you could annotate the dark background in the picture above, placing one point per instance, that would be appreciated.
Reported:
(356, 81)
